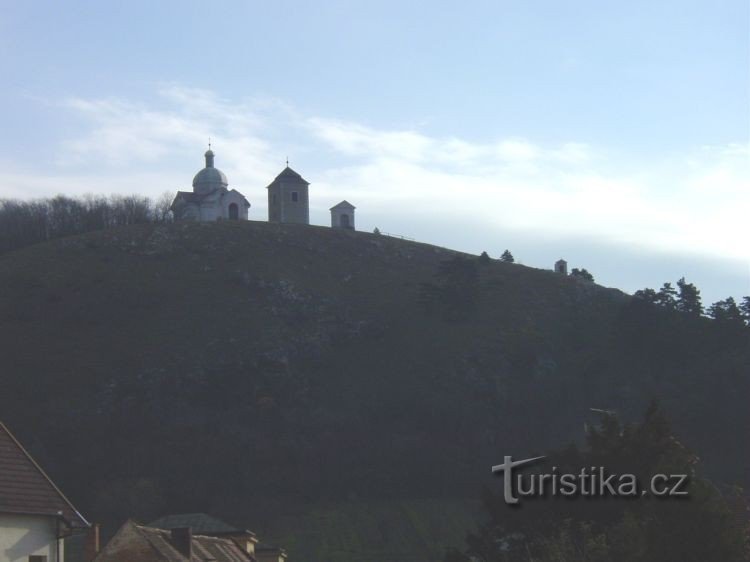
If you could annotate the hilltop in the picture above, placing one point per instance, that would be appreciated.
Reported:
(291, 379)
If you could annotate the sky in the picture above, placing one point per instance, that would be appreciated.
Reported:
(613, 134)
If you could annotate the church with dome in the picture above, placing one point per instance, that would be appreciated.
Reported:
(211, 198)
(288, 199)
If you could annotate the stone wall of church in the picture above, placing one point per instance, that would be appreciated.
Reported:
(238, 200)
(282, 206)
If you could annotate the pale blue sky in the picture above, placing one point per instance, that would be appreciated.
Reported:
(614, 134)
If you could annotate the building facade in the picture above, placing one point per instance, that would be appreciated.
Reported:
(342, 215)
(211, 198)
(35, 516)
(288, 198)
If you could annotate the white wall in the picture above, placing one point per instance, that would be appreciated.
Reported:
(336, 217)
(24, 535)
(230, 198)
(217, 207)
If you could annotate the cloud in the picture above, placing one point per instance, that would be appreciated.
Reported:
(693, 202)
(690, 203)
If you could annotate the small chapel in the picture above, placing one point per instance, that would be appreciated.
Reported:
(288, 199)
(211, 198)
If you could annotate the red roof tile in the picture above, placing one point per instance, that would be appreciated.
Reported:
(148, 544)
(26, 488)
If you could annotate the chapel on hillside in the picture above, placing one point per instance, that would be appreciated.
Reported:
(342, 215)
(288, 199)
(211, 198)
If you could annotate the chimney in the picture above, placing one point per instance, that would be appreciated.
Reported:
(91, 543)
(182, 540)
(246, 540)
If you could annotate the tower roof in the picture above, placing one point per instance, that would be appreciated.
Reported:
(288, 175)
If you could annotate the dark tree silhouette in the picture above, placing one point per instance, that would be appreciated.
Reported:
(745, 310)
(667, 296)
(694, 528)
(507, 257)
(647, 295)
(23, 223)
(727, 312)
(689, 299)
(582, 274)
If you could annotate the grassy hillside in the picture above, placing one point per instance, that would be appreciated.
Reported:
(272, 373)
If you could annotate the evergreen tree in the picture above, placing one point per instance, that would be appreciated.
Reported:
(745, 310)
(667, 297)
(648, 295)
(582, 274)
(727, 312)
(689, 299)
(484, 258)
(694, 528)
(507, 257)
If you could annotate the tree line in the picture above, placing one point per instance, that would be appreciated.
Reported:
(23, 223)
(706, 524)
(686, 298)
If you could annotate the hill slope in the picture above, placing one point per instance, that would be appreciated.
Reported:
(261, 372)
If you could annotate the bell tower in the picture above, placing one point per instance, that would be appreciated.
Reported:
(288, 198)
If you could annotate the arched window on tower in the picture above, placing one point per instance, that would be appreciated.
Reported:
(234, 212)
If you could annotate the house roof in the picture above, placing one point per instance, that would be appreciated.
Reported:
(343, 205)
(247, 203)
(197, 198)
(148, 544)
(25, 488)
(191, 197)
(288, 175)
(200, 523)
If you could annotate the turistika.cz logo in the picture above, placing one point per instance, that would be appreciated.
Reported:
(589, 482)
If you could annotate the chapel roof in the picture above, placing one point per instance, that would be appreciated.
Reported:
(193, 197)
(209, 178)
(288, 175)
(343, 205)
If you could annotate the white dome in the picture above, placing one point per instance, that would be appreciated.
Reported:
(209, 178)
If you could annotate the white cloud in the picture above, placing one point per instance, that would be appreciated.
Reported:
(695, 202)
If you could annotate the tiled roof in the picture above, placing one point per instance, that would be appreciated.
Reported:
(26, 488)
(147, 544)
(343, 205)
(191, 197)
(200, 523)
(289, 175)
